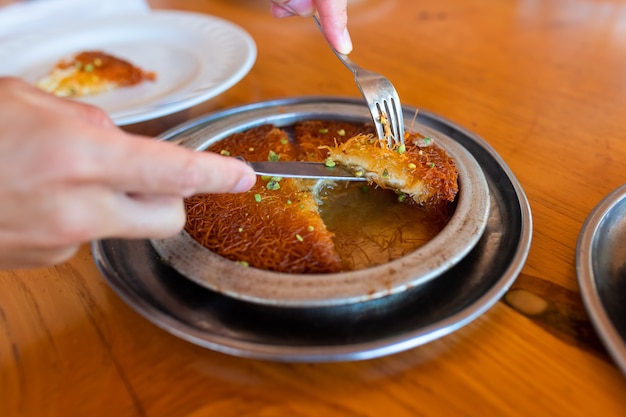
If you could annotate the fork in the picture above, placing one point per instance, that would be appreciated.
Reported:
(381, 97)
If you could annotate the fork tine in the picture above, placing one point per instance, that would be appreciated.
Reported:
(377, 112)
(397, 121)
(386, 123)
(391, 122)
(384, 104)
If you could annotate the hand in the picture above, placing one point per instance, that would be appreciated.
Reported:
(68, 175)
(332, 13)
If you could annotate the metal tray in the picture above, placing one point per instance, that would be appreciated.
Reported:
(601, 270)
(332, 333)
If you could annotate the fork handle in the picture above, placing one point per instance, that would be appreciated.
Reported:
(342, 57)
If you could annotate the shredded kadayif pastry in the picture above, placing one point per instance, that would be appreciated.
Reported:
(277, 224)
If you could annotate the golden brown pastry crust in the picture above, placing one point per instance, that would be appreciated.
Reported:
(419, 169)
(276, 225)
(92, 72)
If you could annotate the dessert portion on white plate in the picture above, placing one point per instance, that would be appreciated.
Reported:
(195, 56)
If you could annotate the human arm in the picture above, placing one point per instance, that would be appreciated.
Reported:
(68, 175)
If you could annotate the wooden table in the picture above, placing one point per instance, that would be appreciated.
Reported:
(542, 81)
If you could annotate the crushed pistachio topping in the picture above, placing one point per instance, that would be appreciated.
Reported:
(341, 132)
(257, 198)
(273, 185)
(97, 62)
(401, 149)
(385, 174)
(89, 68)
(401, 197)
(424, 142)
(329, 163)
(273, 156)
(300, 238)
(310, 228)
(358, 173)
(243, 263)
(224, 152)
(284, 141)
(412, 165)
(240, 229)
(323, 130)
(432, 165)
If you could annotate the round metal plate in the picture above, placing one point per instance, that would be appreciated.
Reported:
(332, 333)
(441, 253)
(601, 269)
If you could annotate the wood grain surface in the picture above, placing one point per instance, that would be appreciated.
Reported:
(542, 81)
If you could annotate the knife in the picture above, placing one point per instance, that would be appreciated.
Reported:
(307, 170)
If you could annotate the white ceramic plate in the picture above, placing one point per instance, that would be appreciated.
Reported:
(195, 56)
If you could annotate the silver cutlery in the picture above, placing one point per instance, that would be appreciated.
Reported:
(381, 97)
(306, 170)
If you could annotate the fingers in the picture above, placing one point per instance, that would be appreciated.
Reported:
(96, 213)
(286, 8)
(47, 233)
(119, 215)
(27, 95)
(146, 166)
(135, 216)
(14, 258)
(68, 175)
(78, 142)
(88, 215)
(333, 18)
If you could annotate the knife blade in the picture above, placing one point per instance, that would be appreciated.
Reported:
(307, 170)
